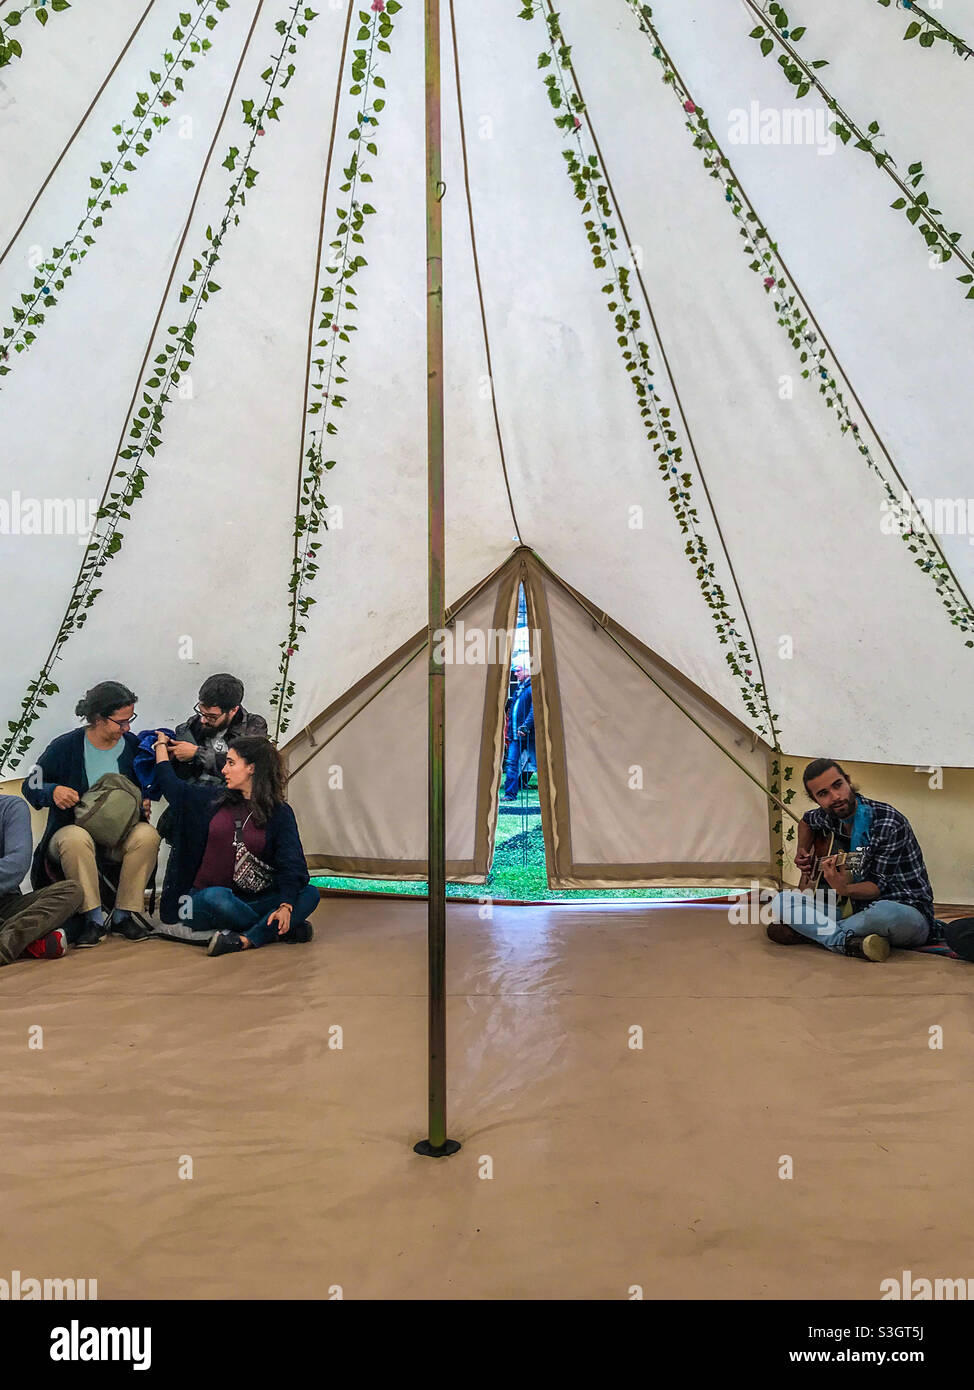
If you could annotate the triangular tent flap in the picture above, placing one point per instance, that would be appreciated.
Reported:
(643, 780)
(358, 772)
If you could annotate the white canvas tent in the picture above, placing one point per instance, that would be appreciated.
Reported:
(782, 611)
(677, 406)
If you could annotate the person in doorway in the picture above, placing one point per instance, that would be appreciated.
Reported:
(199, 747)
(30, 923)
(62, 774)
(520, 759)
(888, 903)
(237, 870)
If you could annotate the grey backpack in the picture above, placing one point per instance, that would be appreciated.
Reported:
(109, 809)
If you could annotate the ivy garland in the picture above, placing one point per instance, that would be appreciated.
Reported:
(927, 36)
(9, 47)
(916, 205)
(375, 30)
(52, 274)
(795, 316)
(146, 425)
(591, 189)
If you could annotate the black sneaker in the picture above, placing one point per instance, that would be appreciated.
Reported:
(223, 942)
(89, 935)
(299, 931)
(133, 928)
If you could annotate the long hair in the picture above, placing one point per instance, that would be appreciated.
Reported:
(270, 781)
(103, 699)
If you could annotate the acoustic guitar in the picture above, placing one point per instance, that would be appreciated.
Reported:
(823, 847)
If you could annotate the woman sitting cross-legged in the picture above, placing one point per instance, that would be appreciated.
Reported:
(237, 868)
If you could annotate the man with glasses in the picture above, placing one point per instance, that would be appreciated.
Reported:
(200, 745)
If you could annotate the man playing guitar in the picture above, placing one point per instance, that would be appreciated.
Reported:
(890, 897)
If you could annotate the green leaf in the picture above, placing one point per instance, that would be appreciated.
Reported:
(912, 31)
(41, 16)
(766, 46)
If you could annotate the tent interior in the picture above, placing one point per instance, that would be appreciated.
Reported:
(705, 404)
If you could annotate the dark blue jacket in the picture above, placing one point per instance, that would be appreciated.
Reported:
(63, 765)
(193, 807)
(523, 710)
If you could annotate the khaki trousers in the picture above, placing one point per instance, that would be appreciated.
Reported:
(73, 851)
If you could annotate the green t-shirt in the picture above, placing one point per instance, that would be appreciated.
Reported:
(98, 761)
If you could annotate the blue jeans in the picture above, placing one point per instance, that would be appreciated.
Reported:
(219, 909)
(512, 782)
(815, 917)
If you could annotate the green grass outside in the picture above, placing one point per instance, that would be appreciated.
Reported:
(517, 871)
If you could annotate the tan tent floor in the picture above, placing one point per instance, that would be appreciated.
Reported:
(611, 1167)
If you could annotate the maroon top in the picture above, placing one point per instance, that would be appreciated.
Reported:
(216, 870)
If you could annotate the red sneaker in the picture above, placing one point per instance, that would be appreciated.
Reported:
(50, 947)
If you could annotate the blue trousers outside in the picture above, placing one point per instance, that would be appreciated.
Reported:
(512, 782)
(814, 916)
(219, 909)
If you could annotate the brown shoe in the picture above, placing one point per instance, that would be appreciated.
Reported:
(872, 947)
(785, 935)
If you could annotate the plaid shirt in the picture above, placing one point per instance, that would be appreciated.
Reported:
(893, 860)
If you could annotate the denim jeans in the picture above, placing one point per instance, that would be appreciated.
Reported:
(219, 909)
(814, 916)
(512, 781)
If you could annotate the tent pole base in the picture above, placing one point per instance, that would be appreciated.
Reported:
(428, 1150)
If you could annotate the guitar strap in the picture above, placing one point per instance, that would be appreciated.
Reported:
(857, 838)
